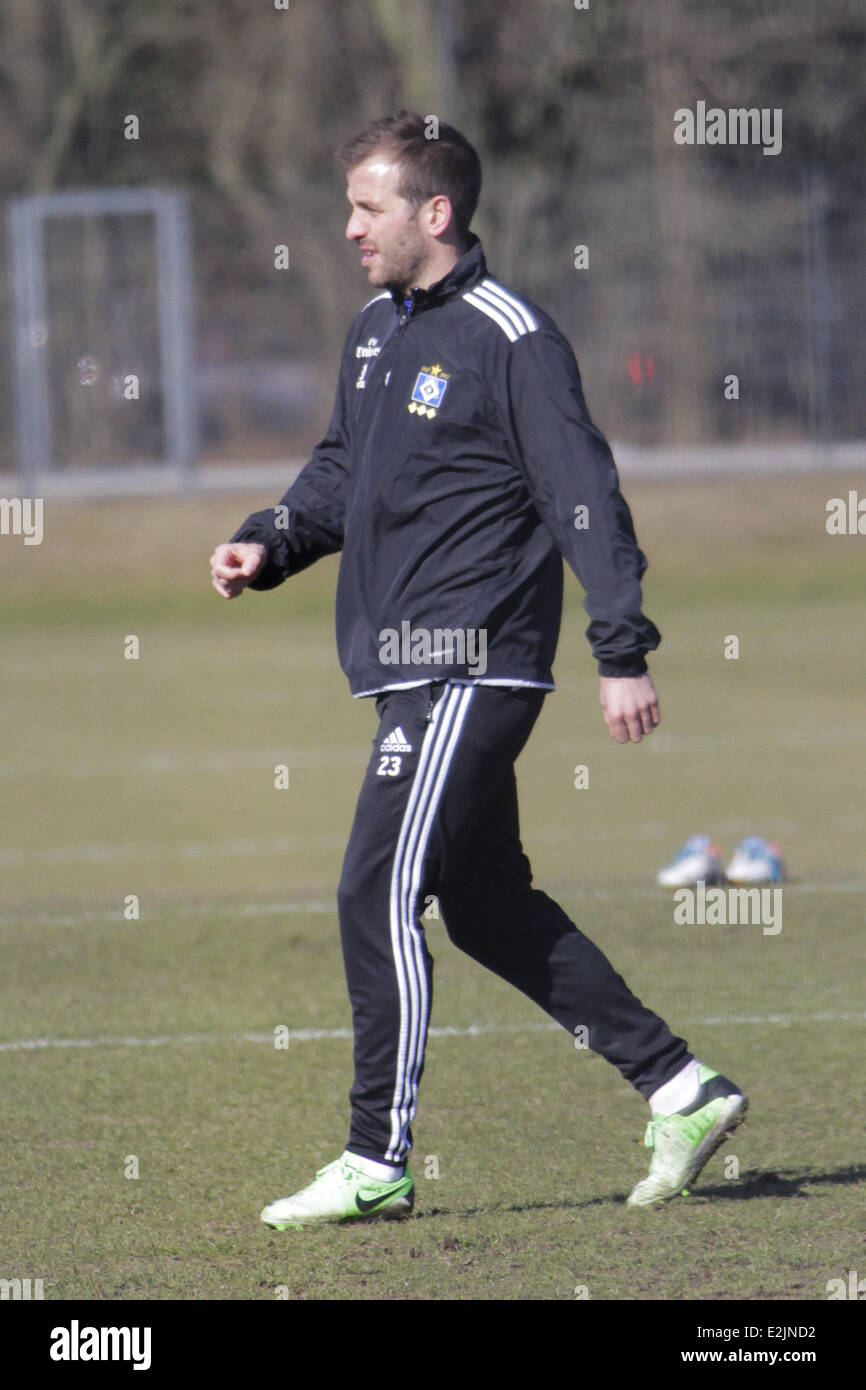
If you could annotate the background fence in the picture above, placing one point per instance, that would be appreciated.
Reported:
(700, 261)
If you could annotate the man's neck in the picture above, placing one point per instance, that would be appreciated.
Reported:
(436, 268)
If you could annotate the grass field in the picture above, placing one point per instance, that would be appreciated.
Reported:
(152, 1039)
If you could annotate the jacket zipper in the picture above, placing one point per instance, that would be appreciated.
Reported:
(404, 319)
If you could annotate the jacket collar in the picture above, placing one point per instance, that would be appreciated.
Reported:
(468, 270)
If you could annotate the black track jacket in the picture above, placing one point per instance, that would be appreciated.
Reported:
(459, 466)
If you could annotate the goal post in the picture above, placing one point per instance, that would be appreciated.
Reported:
(102, 306)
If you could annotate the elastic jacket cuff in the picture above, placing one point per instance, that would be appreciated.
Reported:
(628, 666)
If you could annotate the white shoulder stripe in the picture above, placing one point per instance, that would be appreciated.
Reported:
(494, 314)
(503, 306)
(375, 299)
(491, 286)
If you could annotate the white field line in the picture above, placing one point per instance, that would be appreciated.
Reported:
(309, 907)
(19, 857)
(26, 665)
(15, 857)
(752, 737)
(473, 1030)
(156, 763)
(208, 849)
(326, 906)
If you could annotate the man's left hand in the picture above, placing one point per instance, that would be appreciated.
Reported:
(630, 706)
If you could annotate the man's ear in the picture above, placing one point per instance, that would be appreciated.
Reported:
(438, 214)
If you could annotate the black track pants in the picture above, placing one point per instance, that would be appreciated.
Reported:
(437, 814)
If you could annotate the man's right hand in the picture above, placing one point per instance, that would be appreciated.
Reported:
(235, 565)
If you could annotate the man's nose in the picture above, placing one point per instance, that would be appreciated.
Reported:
(354, 227)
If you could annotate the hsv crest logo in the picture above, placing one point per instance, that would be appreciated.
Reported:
(428, 392)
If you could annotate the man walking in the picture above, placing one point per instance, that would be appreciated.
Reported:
(459, 467)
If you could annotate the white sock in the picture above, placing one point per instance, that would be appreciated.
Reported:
(679, 1092)
(385, 1172)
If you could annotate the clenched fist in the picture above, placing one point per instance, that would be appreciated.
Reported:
(235, 565)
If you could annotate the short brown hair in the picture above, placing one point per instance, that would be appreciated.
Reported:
(429, 164)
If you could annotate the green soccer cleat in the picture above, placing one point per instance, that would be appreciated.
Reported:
(683, 1142)
(342, 1192)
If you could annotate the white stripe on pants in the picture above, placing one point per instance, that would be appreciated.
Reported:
(437, 751)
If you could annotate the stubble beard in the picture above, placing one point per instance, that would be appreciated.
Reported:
(402, 272)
